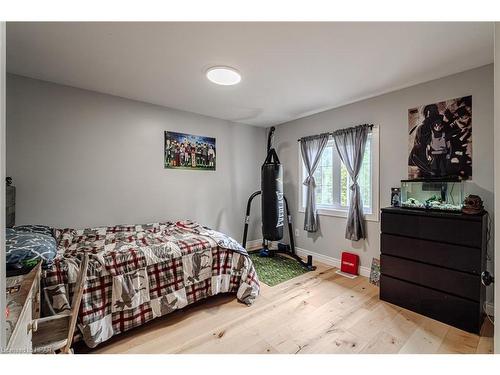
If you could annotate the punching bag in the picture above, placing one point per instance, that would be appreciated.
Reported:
(273, 210)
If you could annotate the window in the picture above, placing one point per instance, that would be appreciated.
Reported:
(333, 182)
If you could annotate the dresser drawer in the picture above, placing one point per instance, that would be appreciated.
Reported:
(10, 196)
(457, 257)
(20, 341)
(453, 231)
(10, 216)
(446, 308)
(458, 283)
(24, 307)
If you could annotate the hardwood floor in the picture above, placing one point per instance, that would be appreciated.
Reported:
(318, 312)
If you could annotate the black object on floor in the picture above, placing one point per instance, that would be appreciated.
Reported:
(273, 205)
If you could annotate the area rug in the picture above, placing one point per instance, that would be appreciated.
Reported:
(277, 269)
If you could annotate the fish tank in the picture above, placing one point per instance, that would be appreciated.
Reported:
(432, 194)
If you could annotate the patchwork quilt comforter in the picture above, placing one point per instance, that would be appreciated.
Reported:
(140, 272)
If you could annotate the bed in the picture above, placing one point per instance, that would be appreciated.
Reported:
(141, 272)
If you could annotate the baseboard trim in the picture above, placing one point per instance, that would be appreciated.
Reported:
(334, 262)
(254, 244)
(489, 308)
(331, 261)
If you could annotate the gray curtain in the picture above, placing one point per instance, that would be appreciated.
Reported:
(311, 149)
(350, 144)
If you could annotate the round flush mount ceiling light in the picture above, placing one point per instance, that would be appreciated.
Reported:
(223, 75)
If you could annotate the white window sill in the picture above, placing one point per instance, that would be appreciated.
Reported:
(369, 216)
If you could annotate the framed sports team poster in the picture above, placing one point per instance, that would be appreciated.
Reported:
(188, 151)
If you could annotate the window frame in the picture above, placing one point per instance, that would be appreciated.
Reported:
(340, 211)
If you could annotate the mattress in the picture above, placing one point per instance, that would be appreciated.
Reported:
(141, 272)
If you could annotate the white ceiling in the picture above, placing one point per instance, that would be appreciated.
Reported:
(289, 70)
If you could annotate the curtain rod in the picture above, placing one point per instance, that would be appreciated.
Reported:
(332, 133)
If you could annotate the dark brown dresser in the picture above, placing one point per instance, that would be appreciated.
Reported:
(431, 263)
(10, 206)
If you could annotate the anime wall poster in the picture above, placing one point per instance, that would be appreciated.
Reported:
(187, 151)
(440, 137)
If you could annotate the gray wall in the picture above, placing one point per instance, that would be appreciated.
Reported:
(80, 158)
(390, 113)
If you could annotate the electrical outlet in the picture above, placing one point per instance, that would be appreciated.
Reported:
(297, 232)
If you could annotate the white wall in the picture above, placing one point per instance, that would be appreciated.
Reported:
(497, 177)
(390, 113)
(80, 158)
